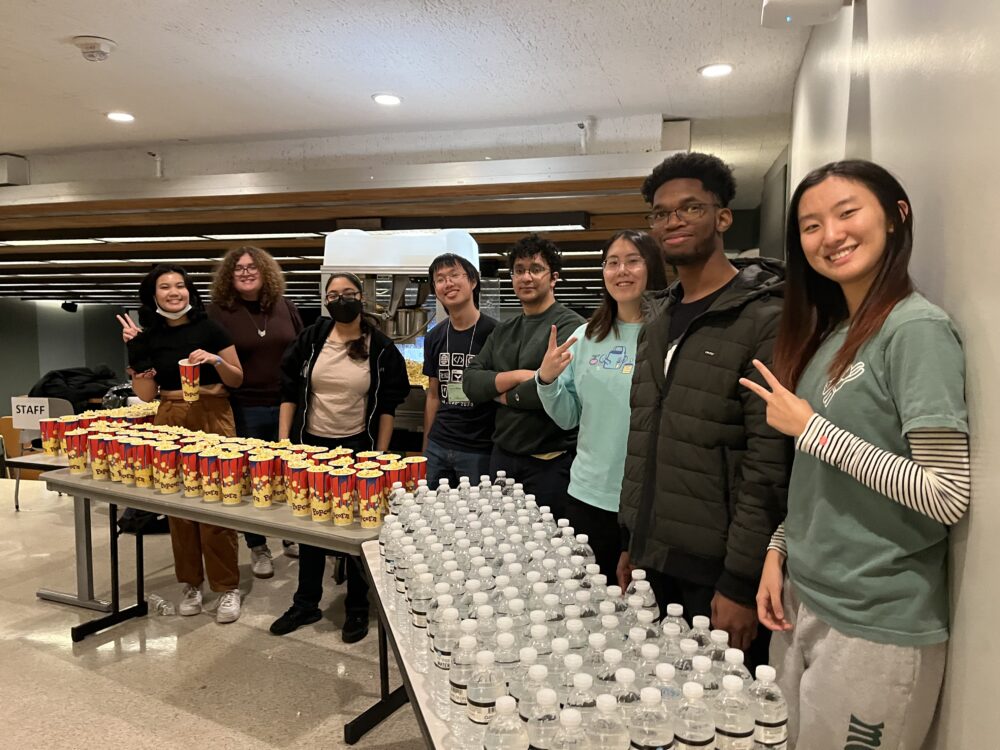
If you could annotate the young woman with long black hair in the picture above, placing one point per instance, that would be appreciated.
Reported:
(869, 379)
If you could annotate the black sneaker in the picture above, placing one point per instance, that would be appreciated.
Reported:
(294, 619)
(355, 628)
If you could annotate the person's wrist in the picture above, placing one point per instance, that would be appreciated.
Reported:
(542, 379)
(218, 361)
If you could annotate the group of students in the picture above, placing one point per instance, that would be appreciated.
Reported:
(776, 444)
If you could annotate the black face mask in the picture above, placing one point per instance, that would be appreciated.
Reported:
(343, 311)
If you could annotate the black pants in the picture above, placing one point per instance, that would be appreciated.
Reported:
(312, 560)
(546, 480)
(602, 528)
(696, 599)
(255, 422)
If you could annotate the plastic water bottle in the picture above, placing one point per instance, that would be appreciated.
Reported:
(734, 665)
(507, 658)
(645, 671)
(670, 691)
(632, 653)
(637, 575)
(570, 735)
(719, 642)
(486, 684)
(611, 627)
(536, 680)
(445, 643)
(704, 675)
(644, 620)
(544, 720)
(582, 697)
(770, 712)
(651, 727)
(593, 661)
(526, 659)
(576, 636)
(487, 632)
(506, 731)
(462, 664)
(694, 728)
(670, 643)
(700, 632)
(607, 728)
(683, 663)
(423, 594)
(573, 663)
(625, 692)
(606, 676)
(675, 614)
(734, 723)
(542, 643)
(557, 666)
(645, 592)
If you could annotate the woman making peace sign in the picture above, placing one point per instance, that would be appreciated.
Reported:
(869, 380)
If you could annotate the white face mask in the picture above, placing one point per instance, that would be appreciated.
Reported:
(173, 315)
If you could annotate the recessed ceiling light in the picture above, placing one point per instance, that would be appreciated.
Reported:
(29, 243)
(178, 238)
(120, 117)
(387, 100)
(264, 236)
(716, 70)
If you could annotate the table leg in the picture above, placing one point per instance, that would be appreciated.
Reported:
(84, 596)
(17, 488)
(390, 701)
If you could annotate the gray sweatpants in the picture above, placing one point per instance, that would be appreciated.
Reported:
(849, 693)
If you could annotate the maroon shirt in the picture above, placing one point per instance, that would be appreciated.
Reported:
(259, 355)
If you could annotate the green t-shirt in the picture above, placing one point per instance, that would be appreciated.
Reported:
(865, 564)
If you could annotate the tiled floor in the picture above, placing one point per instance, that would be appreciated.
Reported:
(168, 682)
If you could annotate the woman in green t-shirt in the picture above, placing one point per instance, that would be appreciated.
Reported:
(869, 380)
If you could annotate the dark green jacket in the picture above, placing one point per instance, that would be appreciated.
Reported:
(522, 426)
(706, 479)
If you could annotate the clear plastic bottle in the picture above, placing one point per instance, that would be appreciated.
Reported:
(487, 624)
(445, 644)
(734, 665)
(734, 723)
(645, 592)
(486, 684)
(645, 671)
(160, 606)
(670, 643)
(628, 617)
(593, 661)
(542, 644)
(507, 657)
(544, 720)
(462, 663)
(553, 612)
(632, 653)
(576, 636)
(637, 575)
(651, 727)
(675, 614)
(614, 595)
(612, 630)
(704, 675)
(557, 666)
(582, 697)
(606, 676)
(645, 620)
(583, 549)
(607, 727)
(570, 735)
(537, 678)
(625, 692)
(718, 643)
(683, 663)
(670, 691)
(506, 731)
(574, 666)
(694, 727)
(700, 632)
(526, 659)
(423, 595)
(770, 712)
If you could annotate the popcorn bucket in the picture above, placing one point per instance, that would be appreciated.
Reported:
(231, 477)
(246, 485)
(320, 505)
(143, 452)
(111, 449)
(97, 448)
(279, 475)
(311, 451)
(343, 462)
(261, 478)
(394, 472)
(388, 458)
(367, 455)
(298, 488)
(368, 466)
(342, 494)
(417, 470)
(190, 379)
(190, 476)
(127, 451)
(64, 425)
(76, 451)
(165, 456)
(50, 436)
(369, 485)
(208, 469)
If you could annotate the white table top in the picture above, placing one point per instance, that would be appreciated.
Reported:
(40, 461)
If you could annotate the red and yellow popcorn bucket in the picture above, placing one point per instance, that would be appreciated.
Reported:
(416, 470)
(368, 466)
(320, 505)
(311, 451)
(50, 436)
(387, 458)
(190, 461)
(394, 472)
(190, 379)
(64, 425)
(343, 462)
(76, 451)
(97, 448)
(166, 458)
(298, 488)
(127, 451)
(369, 486)
(111, 453)
(343, 495)
(367, 456)
(208, 470)
(143, 451)
(231, 476)
(262, 478)
(279, 475)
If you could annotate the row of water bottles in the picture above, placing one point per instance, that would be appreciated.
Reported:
(495, 598)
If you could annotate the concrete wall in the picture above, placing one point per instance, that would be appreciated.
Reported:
(19, 343)
(933, 72)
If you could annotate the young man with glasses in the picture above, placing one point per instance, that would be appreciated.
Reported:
(458, 434)
(706, 478)
(527, 444)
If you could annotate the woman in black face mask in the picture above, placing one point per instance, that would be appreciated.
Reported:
(341, 382)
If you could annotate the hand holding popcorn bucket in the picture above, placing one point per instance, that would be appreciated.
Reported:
(97, 448)
(76, 451)
(298, 488)
(190, 476)
(166, 455)
(208, 469)
(369, 485)
(190, 379)
(261, 476)
(231, 473)
(320, 505)
(342, 491)
(50, 436)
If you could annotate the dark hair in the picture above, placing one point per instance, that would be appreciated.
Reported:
(715, 175)
(358, 348)
(815, 305)
(148, 317)
(447, 260)
(531, 245)
(605, 319)
(272, 278)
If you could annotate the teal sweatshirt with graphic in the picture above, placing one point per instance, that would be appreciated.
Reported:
(592, 393)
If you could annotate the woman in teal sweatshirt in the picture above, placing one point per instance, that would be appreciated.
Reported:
(585, 383)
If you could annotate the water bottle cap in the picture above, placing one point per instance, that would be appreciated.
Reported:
(570, 717)
(484, 478)
(444, 601)
(644, 617)
(689, 646)
(637, 634)
(469, 627)
(592, 569)
(599, 580)
(467, 642)
(701, 664)
(675, 610)
(732, 684)
(606, 703)
(665, 672)
(546, 697)
(551, 600)
(612, 656)
(573, 625)
(427, 578)
(450, 614)
(480, 598)
(649, 651)
(505, 640)
(540, 587)
(482, 570)
(504, 623)
(537, 617)
(609, 622)
(473, 585)
(577, 560)
(583, 681)
(538, 632)
(649, 696)
(572, 612)
(719, 637)
(624, 676)
(484, 612)
(573, 662)
(671, 629)
(533, 577)
(701, 622)
(509, 557)
(614, 592)
(410, 549)
(582, 596)
(484, 658)
(548, 563)
(562, 523)
(582, 538)
(596, 640)
(693, 691)
(734, 656)
(606, 607)
(441, 588)
(635, 601)
(642, 587)
(560, 645)
(455, 575)
(765, 673)
(506, 705)
(510, 592)
(565, 573)
(538, 672)
(638, 575)
(528, 655)
(516, 606)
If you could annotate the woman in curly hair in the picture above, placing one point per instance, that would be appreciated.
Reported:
(248, 302)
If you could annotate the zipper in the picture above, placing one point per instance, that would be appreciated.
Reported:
(305, 408)
(378, 384)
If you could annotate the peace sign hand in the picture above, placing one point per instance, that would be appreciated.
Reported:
(557, 358)
(129, 329)
(786, 412)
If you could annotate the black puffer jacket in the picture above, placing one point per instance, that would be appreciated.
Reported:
(706, 479)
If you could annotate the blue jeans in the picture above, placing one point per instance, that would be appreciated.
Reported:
(256, 422)
(446, 463)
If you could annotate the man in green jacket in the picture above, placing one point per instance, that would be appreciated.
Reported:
(706, 478)
(527, 444)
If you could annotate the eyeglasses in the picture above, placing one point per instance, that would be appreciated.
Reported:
(685, 214)
(536, 271)
(454, 277)
(346, 296)
(247, 270)
(632, 263)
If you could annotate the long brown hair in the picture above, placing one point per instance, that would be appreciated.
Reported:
(271, 275)
(605, 318)
(357, 349)
(814, 305)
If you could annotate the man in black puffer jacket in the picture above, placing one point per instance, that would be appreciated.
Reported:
(705, 479)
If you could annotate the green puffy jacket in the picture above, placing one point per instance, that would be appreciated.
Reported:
(706, 479)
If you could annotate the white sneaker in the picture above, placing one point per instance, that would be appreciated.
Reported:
(191, 603)
(260, 562)
(229, 607)
(291, 550)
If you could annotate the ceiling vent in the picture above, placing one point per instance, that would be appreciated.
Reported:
(94, 48)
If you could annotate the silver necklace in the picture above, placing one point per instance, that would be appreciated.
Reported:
(262, 332)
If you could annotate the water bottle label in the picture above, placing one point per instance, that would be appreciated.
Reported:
(442, 659)
(639, 746)
(479, 712)
(419, 619)
(683, 743)
(400, 587)
(458, 693)
(771, 733)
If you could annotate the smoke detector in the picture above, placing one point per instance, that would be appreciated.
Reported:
(94, 48)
